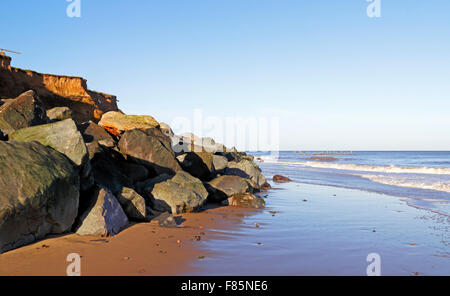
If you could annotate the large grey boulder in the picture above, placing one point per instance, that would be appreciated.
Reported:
(62, 136)
(104, 215)
(223, 187)
(150, 148)
(133, 204)
(39, 193)
(182, 193)
(246, 169)
(220, 163)
(24, 111)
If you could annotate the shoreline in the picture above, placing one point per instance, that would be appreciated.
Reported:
(304, 230)
(143, 249)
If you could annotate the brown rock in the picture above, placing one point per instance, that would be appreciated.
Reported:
(281, 179)
(117, 123)
(149, 151)
(59, 113)
(226, 186)
(246, 200)
(93, 132)
(24, 111)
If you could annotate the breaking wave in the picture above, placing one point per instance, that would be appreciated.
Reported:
(421, 183)
(369, 168)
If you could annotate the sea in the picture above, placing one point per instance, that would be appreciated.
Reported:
(340, 209)
(422, 178)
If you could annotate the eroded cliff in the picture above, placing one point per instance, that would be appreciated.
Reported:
(56, 91)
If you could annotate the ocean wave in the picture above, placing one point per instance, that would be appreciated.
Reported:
(368, 168)
(408, 182)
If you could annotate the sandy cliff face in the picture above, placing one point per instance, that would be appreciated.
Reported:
(4, 61)
(56, 91)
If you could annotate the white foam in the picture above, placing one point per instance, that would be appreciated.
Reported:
(368, 168)
(404, 181)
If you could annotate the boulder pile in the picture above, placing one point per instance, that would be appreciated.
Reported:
(60, 175)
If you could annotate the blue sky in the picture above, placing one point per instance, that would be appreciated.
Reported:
(337, 79)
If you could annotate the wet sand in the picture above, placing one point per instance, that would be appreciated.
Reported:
(141, 249)
(321, 230)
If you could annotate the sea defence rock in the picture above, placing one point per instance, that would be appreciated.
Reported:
(39, 193)
(92, 132)
(107, 170)
(149, 151)
(133, 204)
(189, 142)
(59, 113)
(220, 163)
(182, 193)
(104, 216)
(24, 111)
(198, 164)
(246, 200)
(62, 136)
(57, 91)
(281, 179)
(117, 123)
(166, 220)
(166, 129)
(246, 169)
(224, 187)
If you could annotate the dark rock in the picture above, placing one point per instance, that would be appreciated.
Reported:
(246, 200)
(224, 187)
(246, 169)
(134, 172)
(198, 164)
(181, 193)
(59, 113)
(266, 186)
(39, 193)
(133, 204)
(24, 111)
(107, 170)
(104, 216)
(220, 163)
(281, 179)
(166, 220)
(92, 132)
(64, 137)
(149, 151)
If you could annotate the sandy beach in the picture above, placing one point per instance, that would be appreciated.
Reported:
(305, 230)
(142, 249)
